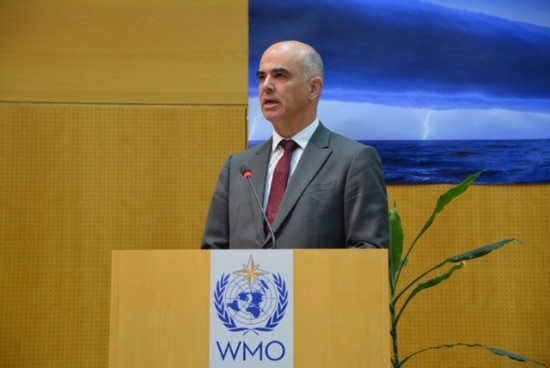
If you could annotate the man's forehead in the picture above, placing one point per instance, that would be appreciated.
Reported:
(271, 64)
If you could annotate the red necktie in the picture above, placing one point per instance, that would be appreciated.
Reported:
(280, 179)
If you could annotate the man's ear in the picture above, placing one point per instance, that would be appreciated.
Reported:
(315, 87)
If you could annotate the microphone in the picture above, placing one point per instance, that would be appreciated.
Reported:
(247, 173)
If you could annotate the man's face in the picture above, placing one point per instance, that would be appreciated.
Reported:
(284, 95)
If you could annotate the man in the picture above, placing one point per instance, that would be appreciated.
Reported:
(336, 195)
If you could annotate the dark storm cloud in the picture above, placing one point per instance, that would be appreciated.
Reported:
(424, 50)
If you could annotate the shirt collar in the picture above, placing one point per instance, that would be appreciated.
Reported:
(302, 137)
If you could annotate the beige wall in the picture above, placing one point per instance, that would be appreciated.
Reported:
(99, 102)
(126, 51)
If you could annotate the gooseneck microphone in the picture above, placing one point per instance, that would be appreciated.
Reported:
(247, 173)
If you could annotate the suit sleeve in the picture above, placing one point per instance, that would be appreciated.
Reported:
(366, 202)
(216, 232)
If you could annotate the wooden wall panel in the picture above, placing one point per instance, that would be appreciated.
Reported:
(138, 51)
(76, 182)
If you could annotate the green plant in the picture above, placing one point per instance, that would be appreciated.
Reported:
(400, 298)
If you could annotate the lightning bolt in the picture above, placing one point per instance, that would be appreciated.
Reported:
(427, 125)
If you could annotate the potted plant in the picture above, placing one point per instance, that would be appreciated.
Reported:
(401, 297)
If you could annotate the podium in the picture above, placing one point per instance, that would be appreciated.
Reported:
(161, 300)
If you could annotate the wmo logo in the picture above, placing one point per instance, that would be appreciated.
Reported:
(252, 300)
(251, 316)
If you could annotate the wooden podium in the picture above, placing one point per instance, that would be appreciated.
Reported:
(160, 308)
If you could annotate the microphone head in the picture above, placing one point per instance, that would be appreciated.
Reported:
(245, 171)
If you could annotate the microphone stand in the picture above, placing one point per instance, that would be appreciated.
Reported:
(247, 173)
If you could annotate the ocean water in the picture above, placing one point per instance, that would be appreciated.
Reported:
(451, 161)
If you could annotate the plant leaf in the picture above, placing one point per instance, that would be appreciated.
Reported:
(442, 202)
(501, 352)
(447, 197)
(396, 245)
(481, 251)
(454, 192)
(436, 280)
(472, 254)
(428, 284)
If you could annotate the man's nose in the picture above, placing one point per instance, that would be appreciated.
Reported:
(267, 84)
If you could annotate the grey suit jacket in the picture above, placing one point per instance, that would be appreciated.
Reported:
(336, 198)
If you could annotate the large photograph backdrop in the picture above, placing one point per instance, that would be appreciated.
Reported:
(442, 89)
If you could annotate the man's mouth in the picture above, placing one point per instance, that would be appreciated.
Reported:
(270, 102)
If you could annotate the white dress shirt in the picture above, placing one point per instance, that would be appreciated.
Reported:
(301, 138)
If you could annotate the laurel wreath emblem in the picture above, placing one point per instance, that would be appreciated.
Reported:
(271, 323)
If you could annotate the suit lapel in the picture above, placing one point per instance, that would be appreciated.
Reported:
(314, 156)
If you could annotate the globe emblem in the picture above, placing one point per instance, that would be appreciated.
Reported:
(250, 300)
(251, 304)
